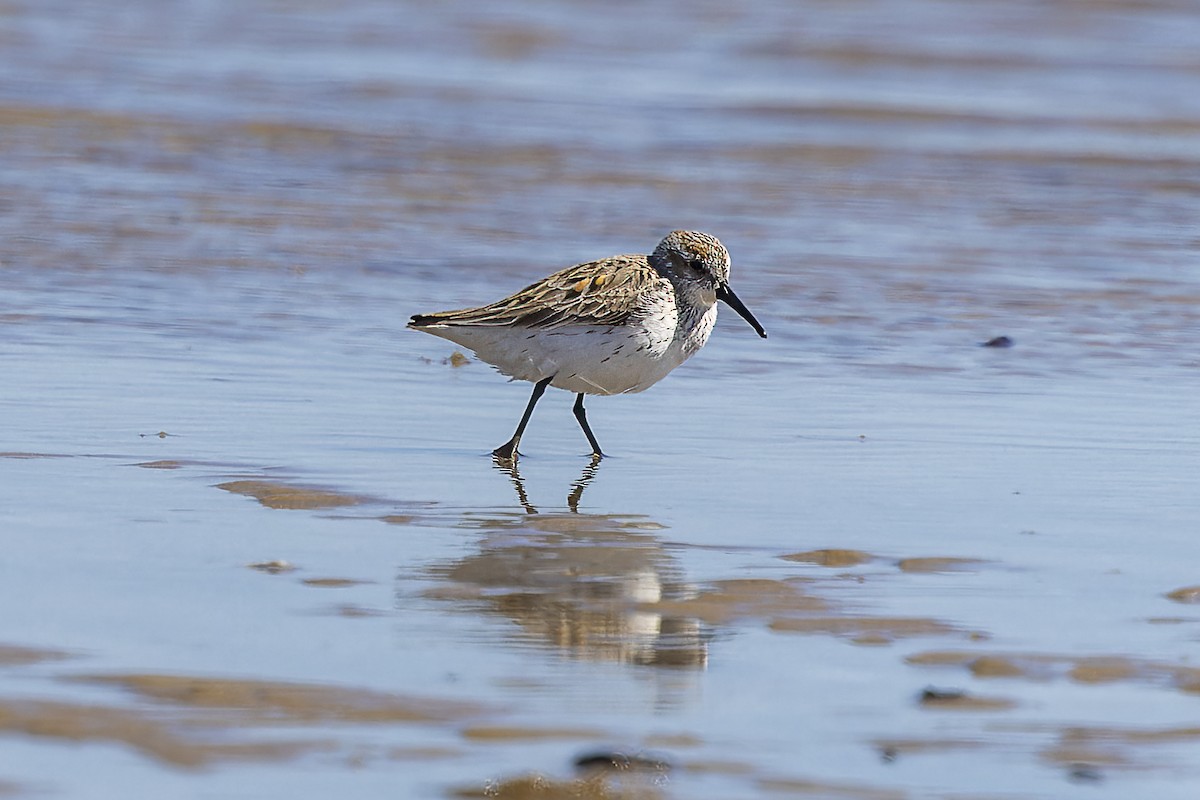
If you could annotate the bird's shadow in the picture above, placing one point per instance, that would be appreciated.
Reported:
(509, 467)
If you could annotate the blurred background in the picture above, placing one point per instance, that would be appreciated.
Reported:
(215, 218)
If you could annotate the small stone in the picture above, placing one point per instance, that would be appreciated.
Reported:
(276, 567)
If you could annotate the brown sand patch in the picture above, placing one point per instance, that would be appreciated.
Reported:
(1188, 594)
(895, 748)
(538, 787)
(191, 719)
(995, 667)
(1187, 679)
(516, 733)
(574, 524)
(350, 611)
(831, 557)
(955, 700)
(673, 740)
(938, 564)
(1080, 669)
(1103, 670)
(1075, 754)
(1146, 735)
(735, 599)
(278, 702)
(1084, 750)
(874, 629)
(16, 656)
(1030, 666)
(941, 658)
(456, 592)
(11, 454)
(152, 737)
(333, 583)
(422, 753)
(281, 495)
(823, 789)
(718, 767)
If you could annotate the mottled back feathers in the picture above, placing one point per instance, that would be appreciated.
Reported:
(604, 292)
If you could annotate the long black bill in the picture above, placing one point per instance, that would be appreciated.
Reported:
(726, 294)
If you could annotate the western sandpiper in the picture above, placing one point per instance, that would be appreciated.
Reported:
(611, 326)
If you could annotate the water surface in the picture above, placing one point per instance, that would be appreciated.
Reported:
(253, 539)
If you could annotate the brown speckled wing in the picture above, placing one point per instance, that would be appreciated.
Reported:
(604, 292)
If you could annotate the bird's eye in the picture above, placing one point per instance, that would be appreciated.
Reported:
(696, 264)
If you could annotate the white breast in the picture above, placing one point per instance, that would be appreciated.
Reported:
(589, 358)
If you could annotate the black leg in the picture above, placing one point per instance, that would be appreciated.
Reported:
(581, 415)
(508, 450)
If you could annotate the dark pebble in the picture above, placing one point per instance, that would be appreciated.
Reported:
(1085, 773)
(932, 695)
(620, 762)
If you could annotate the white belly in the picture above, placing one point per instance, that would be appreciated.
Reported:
(584, 358)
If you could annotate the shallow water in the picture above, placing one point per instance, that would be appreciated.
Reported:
(253, 539)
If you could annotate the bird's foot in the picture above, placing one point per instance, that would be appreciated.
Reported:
(507, 451)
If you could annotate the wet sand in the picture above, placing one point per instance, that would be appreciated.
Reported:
(254, 541)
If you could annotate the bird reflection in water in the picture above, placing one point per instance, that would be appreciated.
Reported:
(599, 586)
(509, 467)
